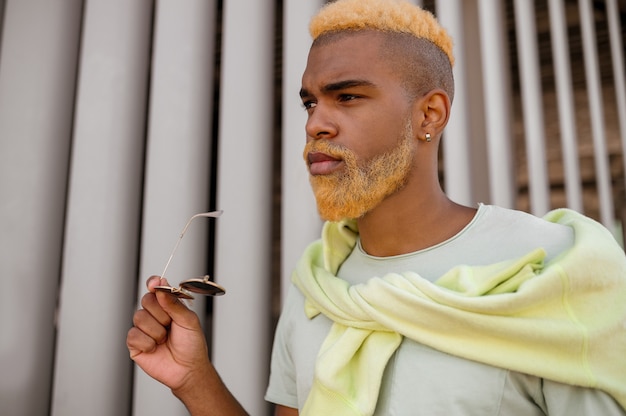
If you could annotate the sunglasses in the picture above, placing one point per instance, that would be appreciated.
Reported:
(199, 285)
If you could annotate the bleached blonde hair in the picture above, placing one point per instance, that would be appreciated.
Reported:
(397, 16)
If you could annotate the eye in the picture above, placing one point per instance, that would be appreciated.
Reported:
(309, 104)
(347, 97)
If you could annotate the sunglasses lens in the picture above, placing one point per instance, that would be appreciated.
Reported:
(203, 286)
(178, 292)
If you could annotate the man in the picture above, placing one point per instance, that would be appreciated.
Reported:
(410, 303)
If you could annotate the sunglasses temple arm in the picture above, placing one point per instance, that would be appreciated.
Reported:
(213, 214)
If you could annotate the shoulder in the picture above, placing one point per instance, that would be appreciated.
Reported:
(514, 218)
(522, 230)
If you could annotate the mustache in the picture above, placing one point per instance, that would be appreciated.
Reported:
(331, 149)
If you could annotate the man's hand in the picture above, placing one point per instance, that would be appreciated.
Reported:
(166, 340)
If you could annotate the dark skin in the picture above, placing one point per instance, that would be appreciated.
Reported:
(367, 119)
(168, 343)
(366, 116)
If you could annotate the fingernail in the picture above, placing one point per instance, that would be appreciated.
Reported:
(152, 278)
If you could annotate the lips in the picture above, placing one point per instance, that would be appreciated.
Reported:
(322, 163)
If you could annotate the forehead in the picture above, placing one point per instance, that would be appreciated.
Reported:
(347, 56)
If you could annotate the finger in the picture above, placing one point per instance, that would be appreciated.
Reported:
(177, 311)
(138, 342)
(155, 281)
(146, 323)
(149, 303)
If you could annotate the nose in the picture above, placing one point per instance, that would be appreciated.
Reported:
(320, 124)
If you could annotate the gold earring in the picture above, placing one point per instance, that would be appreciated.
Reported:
(428, 137)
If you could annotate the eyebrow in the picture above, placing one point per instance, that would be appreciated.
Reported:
(340, 85)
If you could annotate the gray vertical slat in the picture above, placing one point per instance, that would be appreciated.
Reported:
(497, 92)
(596, 110)
(243, 248)
(92, 369)
(300, 221)
(456, 141)
(532, 106)
(39, 51)
(178, 163)
(2, 8)
(477, 134)
(565, 101)
(619, 72)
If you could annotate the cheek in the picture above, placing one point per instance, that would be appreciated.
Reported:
(377, 136)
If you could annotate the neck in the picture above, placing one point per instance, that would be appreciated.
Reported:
(401, 225)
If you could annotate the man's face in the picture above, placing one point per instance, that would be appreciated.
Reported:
(359, 186)
(360, 145)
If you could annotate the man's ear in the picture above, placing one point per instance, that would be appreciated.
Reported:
(431, 113)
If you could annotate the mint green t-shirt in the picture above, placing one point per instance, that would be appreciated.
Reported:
(418, 379)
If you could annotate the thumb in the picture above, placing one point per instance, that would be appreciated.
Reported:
(177, 310)
(154, 281)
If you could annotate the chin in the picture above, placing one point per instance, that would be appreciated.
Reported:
(327, 212)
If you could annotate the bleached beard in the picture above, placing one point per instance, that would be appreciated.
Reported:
(356, 189)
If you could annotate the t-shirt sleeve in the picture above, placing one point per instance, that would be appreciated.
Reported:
(282, 388)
